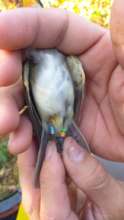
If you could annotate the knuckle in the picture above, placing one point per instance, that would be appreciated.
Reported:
(64, 28)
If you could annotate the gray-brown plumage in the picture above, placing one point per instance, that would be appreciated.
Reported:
(54, 89)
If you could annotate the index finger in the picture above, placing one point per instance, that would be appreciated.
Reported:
(47, 28)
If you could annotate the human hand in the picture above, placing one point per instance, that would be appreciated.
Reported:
(91, 193)
(71, 34)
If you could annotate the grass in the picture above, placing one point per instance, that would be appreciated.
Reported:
(4, 155)
(8, 171)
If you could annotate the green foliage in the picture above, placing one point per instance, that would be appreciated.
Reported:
(4, 155)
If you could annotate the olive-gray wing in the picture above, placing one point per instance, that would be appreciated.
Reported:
(33, 114)
(78, 77)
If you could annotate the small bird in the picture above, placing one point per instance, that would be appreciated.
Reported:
(52, 89)
(54, 86)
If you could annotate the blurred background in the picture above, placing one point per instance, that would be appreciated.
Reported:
(95, 10)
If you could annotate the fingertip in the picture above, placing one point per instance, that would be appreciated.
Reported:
(52, 167)
(73, 151)
(69, 142)
(9, 116)
(21, 138)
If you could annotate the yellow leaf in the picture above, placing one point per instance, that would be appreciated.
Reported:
(77, 9)
(27, 3)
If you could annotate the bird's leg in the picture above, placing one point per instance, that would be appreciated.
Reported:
(41, 156)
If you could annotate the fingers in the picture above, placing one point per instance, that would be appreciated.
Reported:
(10, 67)
(10, 96)
(117, 29)
(11, 91)
(36, 27)
(11, 122)
(11, 99)
(30, 195)
(91, 178)
(55, 202)
(21, 138)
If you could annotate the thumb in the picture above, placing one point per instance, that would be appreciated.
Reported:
(91, 178)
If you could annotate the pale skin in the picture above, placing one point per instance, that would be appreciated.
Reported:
(100, 197)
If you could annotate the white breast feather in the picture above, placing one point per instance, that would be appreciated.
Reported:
(53, 85)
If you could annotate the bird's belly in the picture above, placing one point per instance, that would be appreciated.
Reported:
(52, 85)
(51, 100)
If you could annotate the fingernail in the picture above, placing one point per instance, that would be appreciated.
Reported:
(50, 150)
(75, 152)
